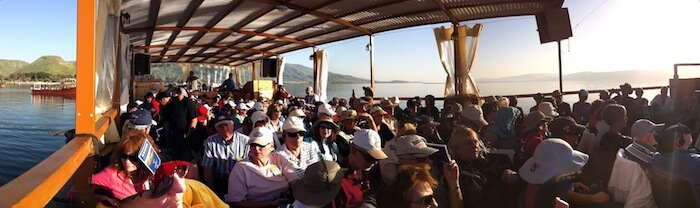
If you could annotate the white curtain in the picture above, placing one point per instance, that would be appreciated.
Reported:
(446, 52)
(126, 55)
(321, 74)
(472, 43)
(280, 70)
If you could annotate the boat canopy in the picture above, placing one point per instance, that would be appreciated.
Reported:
(235, 32)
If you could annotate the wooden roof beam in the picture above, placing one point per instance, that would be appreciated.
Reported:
(188, 14)
(153, 11)
(195, 56)
(222, 30)
(449, 14)
(223, 47)
(238, 26)
(212, 22)
(388, 3)
(316, 13)
(299, 14)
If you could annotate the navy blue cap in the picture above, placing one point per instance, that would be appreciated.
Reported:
(141, 117)
(222, 117)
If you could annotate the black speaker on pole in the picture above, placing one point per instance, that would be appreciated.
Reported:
(142, 64)
(553, 25)
(269, 67)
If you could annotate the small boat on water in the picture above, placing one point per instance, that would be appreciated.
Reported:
(64, 89)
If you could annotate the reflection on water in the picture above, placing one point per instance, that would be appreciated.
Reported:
(27, 128)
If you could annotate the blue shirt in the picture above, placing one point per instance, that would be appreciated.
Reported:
(229, 85)
(221, 157)
(680, 164)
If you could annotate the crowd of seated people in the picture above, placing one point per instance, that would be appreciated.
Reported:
(369, 152)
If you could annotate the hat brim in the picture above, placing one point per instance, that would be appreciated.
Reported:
(313, 198)
(481, 122)
(539, 173)
(347, 118)
(422, 152)
(319, 122)
(577, 129)
(258, 141)
(377, 154)
(223, 122)
(295, 129)
(527, 126)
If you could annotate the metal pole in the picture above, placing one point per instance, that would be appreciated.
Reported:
(371, 61)
(561, 87)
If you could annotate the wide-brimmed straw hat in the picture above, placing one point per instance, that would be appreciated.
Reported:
(320, 184)
(348, 114)
(553, 157)
(533, 120)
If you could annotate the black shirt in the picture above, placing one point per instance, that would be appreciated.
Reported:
(179, 114)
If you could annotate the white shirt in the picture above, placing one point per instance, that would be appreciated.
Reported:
(666, 106)
(250, 182)
(309, 154)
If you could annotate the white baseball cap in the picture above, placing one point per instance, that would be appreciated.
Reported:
(258, 106)
(369, 141)
(293, 124)
(242, 106)
(258, 116)
(325, 109)
(260, 136)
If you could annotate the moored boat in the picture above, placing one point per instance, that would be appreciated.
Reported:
(63, 89)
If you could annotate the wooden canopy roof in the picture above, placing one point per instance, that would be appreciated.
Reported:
(234, 32)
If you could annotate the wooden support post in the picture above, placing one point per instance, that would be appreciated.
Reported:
(370, 47)
(316, 68)
(459, 37)
(85, 100)
(255, 71)
(561, 85)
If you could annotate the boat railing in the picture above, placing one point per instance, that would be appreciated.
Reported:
(37, 186)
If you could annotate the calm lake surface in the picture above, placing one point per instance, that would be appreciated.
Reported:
(29, 122)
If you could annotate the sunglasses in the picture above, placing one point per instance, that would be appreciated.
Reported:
(258, 145)
(295, 134)
(326, 127)
(426, 200)
(133, 158)
(167, 183)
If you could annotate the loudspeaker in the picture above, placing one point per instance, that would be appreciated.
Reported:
(142, 64)
(553, 25)
(269, 67)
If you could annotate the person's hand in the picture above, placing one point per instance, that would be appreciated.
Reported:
(451, 171)
(509, 176)
(600, 197)
(581, 187)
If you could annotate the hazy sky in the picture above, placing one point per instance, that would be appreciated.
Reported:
(619, 35)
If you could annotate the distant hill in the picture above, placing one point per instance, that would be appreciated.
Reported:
(301, 73)
(53, 65)
(8, 67)
(613, 76)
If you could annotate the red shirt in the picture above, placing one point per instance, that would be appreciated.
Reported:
(156, 106)
(531, 142)
(351, 191)
(530, 194)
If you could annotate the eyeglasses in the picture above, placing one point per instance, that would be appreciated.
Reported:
(295, 134)
(258, 145)
(133, 158)
(426, 200)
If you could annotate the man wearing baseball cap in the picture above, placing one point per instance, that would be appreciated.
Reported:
(221, 152)
(299, 153)
(365, 152)
(566, 128)
(642, 148)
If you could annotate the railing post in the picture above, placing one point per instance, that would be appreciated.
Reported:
(85, 100)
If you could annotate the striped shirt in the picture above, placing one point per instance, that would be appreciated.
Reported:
(221, 157)
(250, 182)
(639, 153)
(309, 154)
